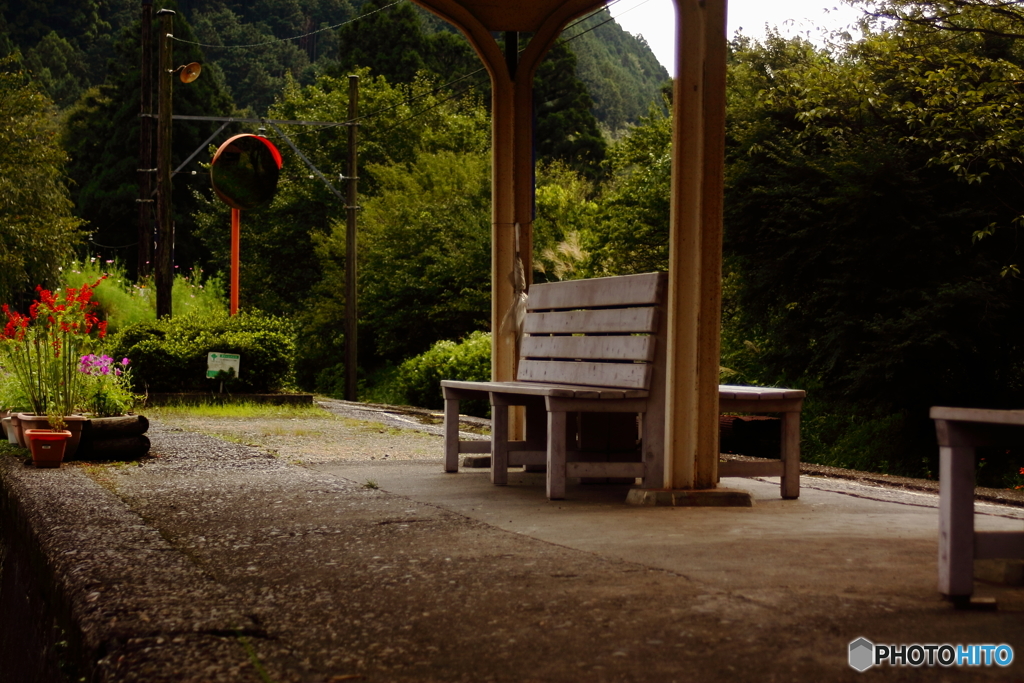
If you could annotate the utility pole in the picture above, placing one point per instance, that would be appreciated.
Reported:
(351, 307)
(146, 168)
(165, 228)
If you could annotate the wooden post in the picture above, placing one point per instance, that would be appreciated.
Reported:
(146, 169)
(511, 135)
(351, 293)
(165, 234)
(709, 328)
(503, 248)
(236, 257)
(682, 422)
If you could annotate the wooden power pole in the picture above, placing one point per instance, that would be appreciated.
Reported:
(146, 168)
(351, 307)
(165, 228)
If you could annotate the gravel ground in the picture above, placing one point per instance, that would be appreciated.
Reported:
(346, 431)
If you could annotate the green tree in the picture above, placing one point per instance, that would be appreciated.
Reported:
(566, 212)
(565, 129)
(850, 220)
(632, 232)
(389, 40)
(59, 67)
(621, 73)
(426, 258)
(283, 37)
(38, 232)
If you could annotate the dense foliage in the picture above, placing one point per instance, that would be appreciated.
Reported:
(38, 230)
(171, 354)
(417, 380)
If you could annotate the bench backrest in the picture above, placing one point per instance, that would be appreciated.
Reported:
(601, 332)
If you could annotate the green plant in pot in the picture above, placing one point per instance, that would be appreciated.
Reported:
(108, 386)
(43, 351)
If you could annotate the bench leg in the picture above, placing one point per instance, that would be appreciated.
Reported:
(791, 455)
(956, 521)
(451, 435)
(499, 442)
(556, 455)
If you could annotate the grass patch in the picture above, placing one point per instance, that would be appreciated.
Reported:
(290, 431)
(232, 438)
(7, 448)
(244, 411)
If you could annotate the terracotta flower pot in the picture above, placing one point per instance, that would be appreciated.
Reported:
(47, 446)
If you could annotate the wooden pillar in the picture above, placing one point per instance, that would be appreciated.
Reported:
(512, 140)
(503, 120)
(691, 438)
(709, 328)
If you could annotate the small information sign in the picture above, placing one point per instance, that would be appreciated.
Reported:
(217, 363)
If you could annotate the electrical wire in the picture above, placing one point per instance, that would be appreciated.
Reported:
(444, 86)
(283, 40)
(108, 246)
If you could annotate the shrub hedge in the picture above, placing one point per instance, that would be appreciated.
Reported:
(417, 381)
(170, 354)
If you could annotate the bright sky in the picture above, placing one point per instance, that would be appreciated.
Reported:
(655, 20)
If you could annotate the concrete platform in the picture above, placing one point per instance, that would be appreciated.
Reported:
(218, 562)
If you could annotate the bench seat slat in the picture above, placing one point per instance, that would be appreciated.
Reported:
(729, 391)
(616, 375)
(625, 290)
(539, 389)
(639, 348)
(611, 320)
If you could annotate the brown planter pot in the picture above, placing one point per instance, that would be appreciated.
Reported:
(47, 446)
(74, 423)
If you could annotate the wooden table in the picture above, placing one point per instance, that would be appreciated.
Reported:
(960, 432)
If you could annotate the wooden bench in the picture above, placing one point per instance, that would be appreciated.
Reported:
(597, 347)
(960, 432)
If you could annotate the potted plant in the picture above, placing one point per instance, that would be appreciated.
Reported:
(48, 446)
(12, 402)
(108, 386)
(43, 351)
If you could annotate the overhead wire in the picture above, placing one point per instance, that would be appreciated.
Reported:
(445, 86)
(454, 95)
(283, 40)
(439, 88)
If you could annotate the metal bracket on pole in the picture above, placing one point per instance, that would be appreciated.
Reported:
(309, 163)
(201, 147)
